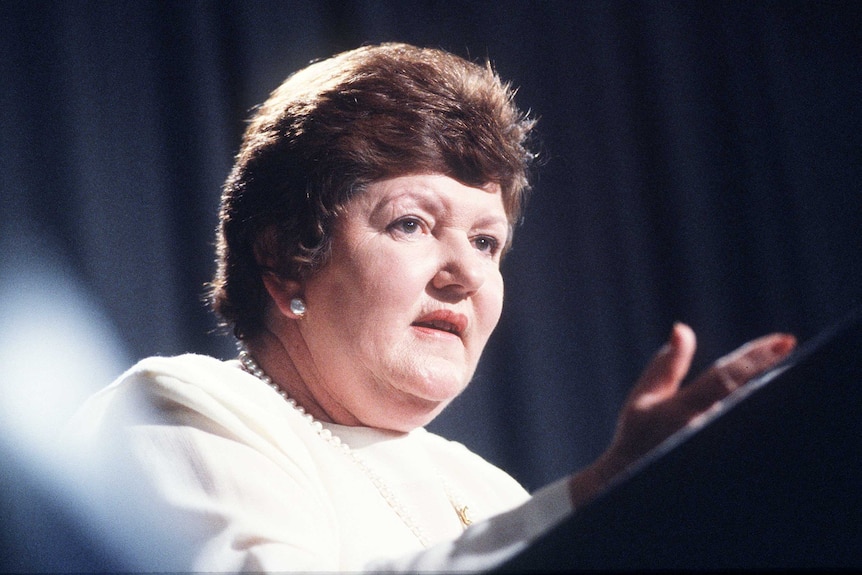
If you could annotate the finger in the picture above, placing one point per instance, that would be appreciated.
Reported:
(736, 368)
(663, 375)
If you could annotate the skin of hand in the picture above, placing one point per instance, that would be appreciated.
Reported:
(659, 405)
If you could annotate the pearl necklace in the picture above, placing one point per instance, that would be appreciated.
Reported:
(250, 365)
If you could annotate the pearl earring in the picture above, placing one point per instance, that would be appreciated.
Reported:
(297, 306)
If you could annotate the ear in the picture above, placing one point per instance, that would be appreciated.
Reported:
(282, 291)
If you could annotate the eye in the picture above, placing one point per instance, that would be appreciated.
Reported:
(407, 226)
(487, 244)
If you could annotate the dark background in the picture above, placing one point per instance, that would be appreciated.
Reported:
(703, 164)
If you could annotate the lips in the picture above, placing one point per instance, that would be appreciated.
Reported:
(443, 321)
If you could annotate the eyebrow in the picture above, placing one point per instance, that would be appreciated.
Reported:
(405, 193)
(490, 221)
(425, 197)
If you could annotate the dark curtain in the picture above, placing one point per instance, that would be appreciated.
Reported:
(701, 164)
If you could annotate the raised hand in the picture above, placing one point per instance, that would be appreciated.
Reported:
(659, 405)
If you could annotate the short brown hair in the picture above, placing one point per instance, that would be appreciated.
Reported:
(340, 124)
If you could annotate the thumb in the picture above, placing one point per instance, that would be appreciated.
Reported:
(664, 374)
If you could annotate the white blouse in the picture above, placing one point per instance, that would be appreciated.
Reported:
(236, 479)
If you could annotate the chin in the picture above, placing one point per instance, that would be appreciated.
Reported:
(418, 398)
(408, 414)
(437, 381)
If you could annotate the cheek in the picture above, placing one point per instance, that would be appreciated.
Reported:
(386, 279)
(368, 289)
(491, 303)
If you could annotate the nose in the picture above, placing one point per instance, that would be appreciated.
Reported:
(462, 271)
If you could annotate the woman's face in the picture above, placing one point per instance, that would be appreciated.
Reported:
(399, 315)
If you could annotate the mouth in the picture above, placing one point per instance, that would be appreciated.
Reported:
(443, 321)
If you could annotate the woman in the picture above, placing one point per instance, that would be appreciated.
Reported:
(360, 239)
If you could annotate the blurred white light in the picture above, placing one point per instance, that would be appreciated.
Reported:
(56, 348)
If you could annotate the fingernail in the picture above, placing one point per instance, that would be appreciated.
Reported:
(677, 333)
(784, 344)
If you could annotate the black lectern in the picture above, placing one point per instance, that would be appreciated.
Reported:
(772, 480)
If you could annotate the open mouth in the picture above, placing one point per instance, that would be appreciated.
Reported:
(444, 321)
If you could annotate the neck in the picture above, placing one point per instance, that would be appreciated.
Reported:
(252, 367)
(275, 356)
